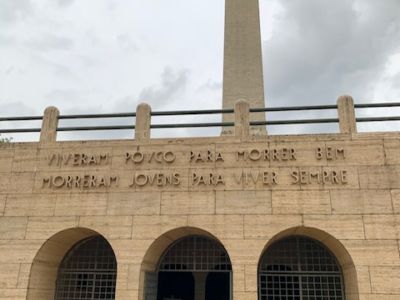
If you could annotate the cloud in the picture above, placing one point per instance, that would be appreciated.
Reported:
(172, 83)
(65, 3)
(50, 43)
(14, 10)
(326, 48)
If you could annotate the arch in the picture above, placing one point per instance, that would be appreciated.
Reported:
(45, 266)
(334, 246)
(159, 249)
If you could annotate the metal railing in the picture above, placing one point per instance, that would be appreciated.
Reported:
(201, 124)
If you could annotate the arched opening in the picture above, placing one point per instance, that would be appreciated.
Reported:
(306, 263)
(88, 271)
(191, 267)
(71, 258)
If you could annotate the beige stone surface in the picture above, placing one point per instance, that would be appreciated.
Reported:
(152, 227)
(392, 155)
(396, 201)
(264, 227)
(30, 205)
(43, 228)
(92, 204)
(340, 227)
(138, 203)
(6, 159)
(243, 202)
(382, 227)
(13, 228)
(112, 227)
(20, 251)
(361, 202)
(385, 280)
(373, 252)
(221, 226)
(9, 275)
(301, 202)
(187, 203)
(2, 204)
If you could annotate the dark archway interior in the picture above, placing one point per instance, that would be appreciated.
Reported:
(175, 285)
(192, 268)
(217, 286)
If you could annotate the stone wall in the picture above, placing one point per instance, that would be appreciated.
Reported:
(141, 195)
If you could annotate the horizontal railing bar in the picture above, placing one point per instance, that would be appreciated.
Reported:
(294, 122)
(294, 108)
(26, 118)
(201, 112)
(377, 105)
(20, 130)
(94, 128)
(377, 119)
(97, 116)
(192, 125)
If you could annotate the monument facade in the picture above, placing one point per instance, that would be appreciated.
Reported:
(242, 216)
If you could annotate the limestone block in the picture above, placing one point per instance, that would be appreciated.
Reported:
(300, 202)
(373, 252)
(245, 295)
(363, 280)
(21, 182)
(187, 203)
(221, 226)
(361, 202)
(25, 159)
(341, 227)
(134, 203)
(358, 153)
(379, 177)
(9, 275)
(89, 159)
(239, 279)
(264, 227)
(152, 227)
(382, 227)
(2, 204)
(130, 251)
(87, 204)
(23, 276)
(13, 228)
(378, 297)
(19, 251)
(45, 227)
(396, 200)
(243, 202)
(251, 273)
(392, 153)
(14, 294)
(112, 227)
(30, 205)
(385, 280)
(40, 294)
(6, 159)
(133, 278)
(245, 252)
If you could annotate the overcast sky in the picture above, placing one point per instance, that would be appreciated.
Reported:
(96, 56)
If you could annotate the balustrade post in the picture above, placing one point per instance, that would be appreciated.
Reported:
(347, 116)
(143, 121)
(242, 119)
(48, 132)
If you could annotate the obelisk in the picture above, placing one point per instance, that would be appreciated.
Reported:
(243, 69)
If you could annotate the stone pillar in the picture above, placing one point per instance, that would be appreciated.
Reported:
(143, 121)
(243, 69)
(200, 279)
(48, 133)
(347, 116)
(242, 119)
